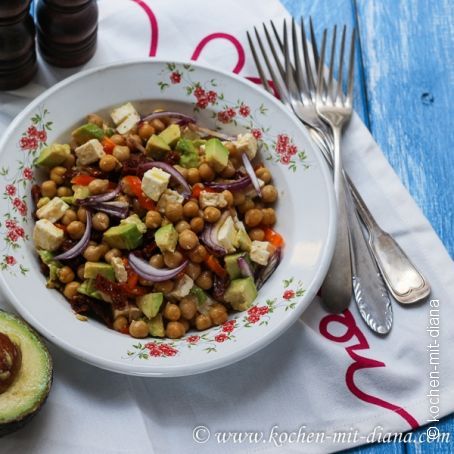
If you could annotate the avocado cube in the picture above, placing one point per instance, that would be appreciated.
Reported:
(243, 240)
(150, 304)
(231, 264)
(88, 288)
(156, 147)
(80, 192)
(87, 132)
(216, 154)
(189, 157)
(171, 134)
(241, 293)
(92, 269)
(134, 219)
(54, 155)
(123, 236)
(166, 238)
(156, 326)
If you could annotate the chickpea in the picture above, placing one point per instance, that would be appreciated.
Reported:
(197, 224)
(206, 172)
(198, 254)
(182, 170)
(56, 174)
(94, 253)
(75, 230)
(158, 125)
(174, 211)
(146, 131)
(118, 139)
(228, 196)
(69, 216)
(256, 234)
(233, 151)
(98, 186)
(70, 290)
(211, 214)
(238, 198)
(95, 119)
(264, 174)
(182, 226)
(253, 217)
(193, 270)
(269, 216)
(202, 322)
(121, 152)
(120, 324)
(218, 314)
(237, 161)
(228, 171)
(81, 271)
(153, 219)
(48, 188)
(173, 259)
(82, 215)
(187, 239)
(100, 221)
(69, 161)
(269, 193)
(63, 191)
(188, 307)
(157, 261)
(138, 329)
(185, 323)
(191, 209)
(164, 286)
(111, 254)
(175, 330)
(171, 311)
(247, 205)
(107, 163)
(193, 175)
(42, 201)
(205, 280)
(66, 275)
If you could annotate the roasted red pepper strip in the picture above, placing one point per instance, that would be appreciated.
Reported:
(135, 186)
(273, 237)
(108, 145)
(82, 180)
(213, 264)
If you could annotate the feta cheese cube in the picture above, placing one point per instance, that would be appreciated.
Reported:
(183, 287)
(154, 183)
(252, 192)
(247, 143)
(260, 252)
(53, 210)
(121, 275)
(212, 199)
(128, 123)
(119, 114)
(227, 234)
(89, 152)
(46, 236)
(169, 195)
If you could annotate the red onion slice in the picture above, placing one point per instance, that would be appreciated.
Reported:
(205, 132)
(79, 247)
(232, 185)
(264, 274)
(210, 235)
(245, 267)
(169, 114)
(106, 197)
(150, 273)
(251, 173)
(115, 209)
(173, 172)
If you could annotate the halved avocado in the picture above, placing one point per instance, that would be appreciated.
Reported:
(27, 375)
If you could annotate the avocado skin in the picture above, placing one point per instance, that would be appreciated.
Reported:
(21, 421)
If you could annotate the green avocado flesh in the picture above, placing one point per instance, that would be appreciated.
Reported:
(29, 390)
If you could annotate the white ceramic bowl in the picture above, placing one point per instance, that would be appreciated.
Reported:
(306, 212)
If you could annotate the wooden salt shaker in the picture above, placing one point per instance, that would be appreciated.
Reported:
(17, 44)
(67, 31)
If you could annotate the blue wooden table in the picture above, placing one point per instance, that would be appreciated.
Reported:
(403, 76)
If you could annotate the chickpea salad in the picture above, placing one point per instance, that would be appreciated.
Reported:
(154, 224)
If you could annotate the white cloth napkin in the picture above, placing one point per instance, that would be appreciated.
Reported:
(305, 381)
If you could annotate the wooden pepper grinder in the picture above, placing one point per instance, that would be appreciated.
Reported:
(17, 44)
(67, 31)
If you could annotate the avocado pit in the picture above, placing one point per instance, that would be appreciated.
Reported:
(10, 362)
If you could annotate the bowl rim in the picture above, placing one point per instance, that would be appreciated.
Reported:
(215, 362)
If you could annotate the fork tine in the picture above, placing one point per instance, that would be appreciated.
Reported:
(341, 63)
(273, 49)
(311, 79)
(259, 66)
(313, 42)
(351, 65)
(299, 79)
(331, 63)
(320, 78)
(288, 69)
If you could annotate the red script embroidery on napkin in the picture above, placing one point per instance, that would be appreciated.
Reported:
(153, 24)
(232, 39)
(347, 319)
